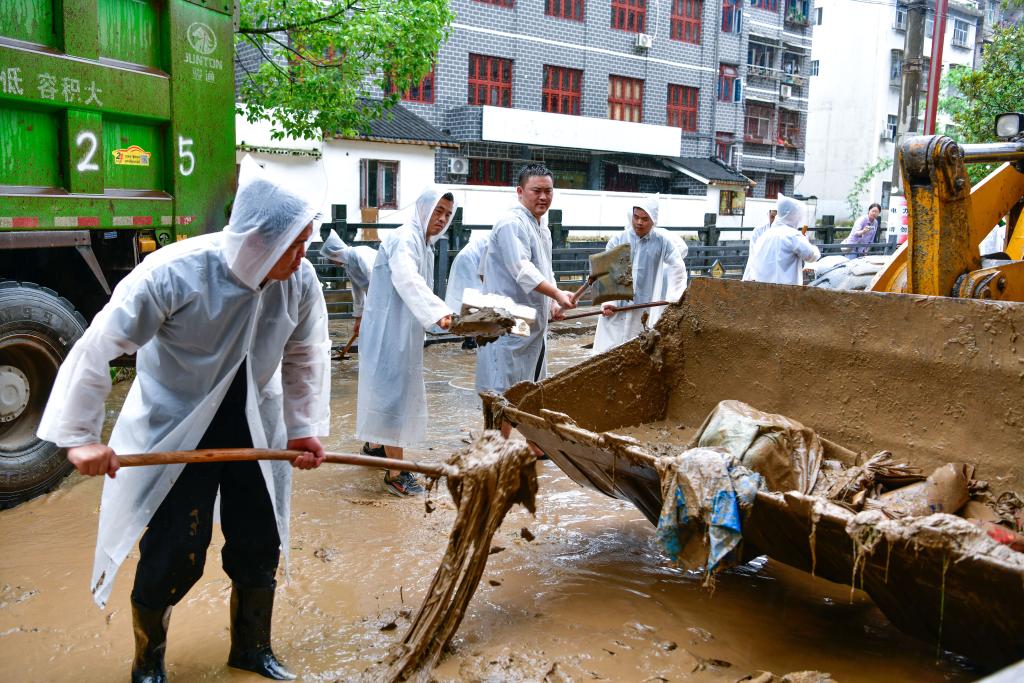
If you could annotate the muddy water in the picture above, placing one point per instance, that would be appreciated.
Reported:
(590, 598)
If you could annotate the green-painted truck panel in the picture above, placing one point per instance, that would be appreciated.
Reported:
(102, 97)
(116, 137)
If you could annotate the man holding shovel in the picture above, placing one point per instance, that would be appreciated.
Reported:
(230, 331)
(517, 264)
(659, 274)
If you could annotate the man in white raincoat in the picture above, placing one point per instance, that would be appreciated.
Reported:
(465, 273)
(659, 274)
(518, 265)
(358, 263)
(400, 307)
(230, 331)
(756, 235)
(778, 255)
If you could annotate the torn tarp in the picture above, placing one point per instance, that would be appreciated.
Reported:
(705, 493)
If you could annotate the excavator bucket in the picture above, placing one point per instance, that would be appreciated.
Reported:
(933, 380)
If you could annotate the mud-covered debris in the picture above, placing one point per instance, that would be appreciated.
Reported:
(326, 554)
(494, 582)
(526, 534)
(389, 626)
(495, 549)
(758, 677)
(642, 628)
(719, 663)
(668, 645)
(807, 677)
(701, 633)
(429, 506)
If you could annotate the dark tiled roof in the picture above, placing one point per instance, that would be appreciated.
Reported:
(712, 169)
(401, 125)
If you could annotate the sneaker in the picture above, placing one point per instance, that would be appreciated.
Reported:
(403, 485)
(377, 452)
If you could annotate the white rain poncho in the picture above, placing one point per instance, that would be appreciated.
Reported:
(400, 307)
(465, 271)
(754, 237)
(518, 259)
(358, 262)
(194, 311)
(778, 255)
(659, 274)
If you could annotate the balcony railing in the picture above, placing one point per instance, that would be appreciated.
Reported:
(795, 17)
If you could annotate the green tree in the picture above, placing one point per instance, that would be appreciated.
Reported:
(324, 59)
(853, 197)
(974, 98)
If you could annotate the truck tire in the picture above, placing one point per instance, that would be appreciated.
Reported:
(37, 330)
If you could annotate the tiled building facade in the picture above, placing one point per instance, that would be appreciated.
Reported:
(722, 78)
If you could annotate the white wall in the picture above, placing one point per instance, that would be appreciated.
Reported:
(850, 98)
(334, 179)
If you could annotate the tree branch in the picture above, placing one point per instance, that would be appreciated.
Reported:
(303, 24)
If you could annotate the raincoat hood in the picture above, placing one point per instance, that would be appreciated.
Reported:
(334, 247)
(790, 212)
(428, 199)
(648, 204)
(265, 219)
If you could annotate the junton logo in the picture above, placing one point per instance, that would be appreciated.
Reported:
(202, 38)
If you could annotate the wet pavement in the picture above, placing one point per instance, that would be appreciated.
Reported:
(589, 598)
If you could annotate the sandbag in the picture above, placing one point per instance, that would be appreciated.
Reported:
(787, 454)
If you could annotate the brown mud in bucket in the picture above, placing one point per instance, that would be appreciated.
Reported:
(933, 380)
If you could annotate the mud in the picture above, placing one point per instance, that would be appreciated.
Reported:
(581, 594)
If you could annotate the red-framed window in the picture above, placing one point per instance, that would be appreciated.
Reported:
(422, 91)
(499, 3)
(629, 15)
(490, 172)
(490, 81)
(757, 124)
(684, 25)
(789, 128)
(564, 9)
(682, 107)
(727, 75)
(723, 143)
(562, 90)
(731, 16)
(378, 184)
(625, 99)
(773, 187)
(770, 5)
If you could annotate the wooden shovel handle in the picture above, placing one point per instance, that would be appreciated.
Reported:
(579, 292)
(616, 309)
(245, 454)
(344, 351)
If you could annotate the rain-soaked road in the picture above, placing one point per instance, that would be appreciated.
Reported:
(590, 598)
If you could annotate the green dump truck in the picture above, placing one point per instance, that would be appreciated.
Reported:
(116, 137)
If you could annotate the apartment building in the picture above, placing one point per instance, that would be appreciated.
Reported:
(856, 73)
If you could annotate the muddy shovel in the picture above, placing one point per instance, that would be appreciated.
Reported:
(611, 276)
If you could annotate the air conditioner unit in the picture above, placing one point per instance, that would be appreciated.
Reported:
(458, 166)
(644, 41)
(785, 91)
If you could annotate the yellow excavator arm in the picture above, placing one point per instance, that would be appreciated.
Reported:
(948, 219)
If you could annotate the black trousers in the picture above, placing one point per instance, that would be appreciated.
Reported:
(173, 549)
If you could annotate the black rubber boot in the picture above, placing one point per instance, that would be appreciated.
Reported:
(251, 610)
(150, 626)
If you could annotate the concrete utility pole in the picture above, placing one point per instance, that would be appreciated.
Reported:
(909, 121)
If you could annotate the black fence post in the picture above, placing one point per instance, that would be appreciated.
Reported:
(456, 231)
(557, 230)
(441, 266)
(829, 224)
(710, 229)
(339, 212)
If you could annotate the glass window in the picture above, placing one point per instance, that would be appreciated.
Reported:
(562, 90)
(625, 99)
(490, 81)
(682, 107)
(378, 184)
(564, 9)
(685, 23)
(629, 15)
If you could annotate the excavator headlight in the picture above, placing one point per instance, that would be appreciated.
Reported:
(1009, 125)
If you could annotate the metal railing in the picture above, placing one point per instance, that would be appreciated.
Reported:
(710, 252)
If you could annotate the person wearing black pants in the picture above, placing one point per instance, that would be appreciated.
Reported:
(173, 549)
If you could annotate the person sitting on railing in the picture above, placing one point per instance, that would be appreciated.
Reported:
(863, 233)
(778, 254)
(391, 407)
(659, 274)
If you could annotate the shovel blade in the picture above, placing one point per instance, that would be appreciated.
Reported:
(614, 275)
